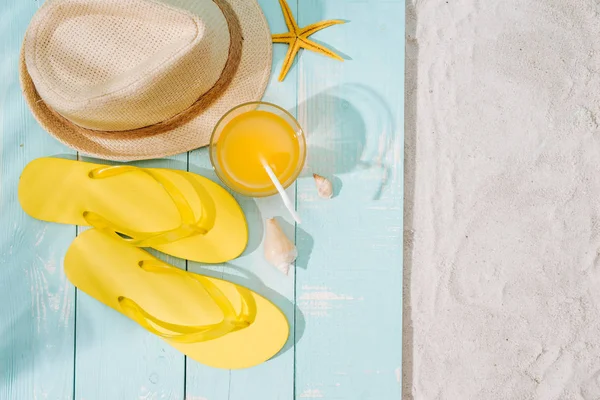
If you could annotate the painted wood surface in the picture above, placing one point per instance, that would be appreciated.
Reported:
(37, 312)
(344, 301)
(350, 290)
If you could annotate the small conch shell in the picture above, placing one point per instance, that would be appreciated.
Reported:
(324, 186)
(279, 250)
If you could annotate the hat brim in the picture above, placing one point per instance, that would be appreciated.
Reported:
(248, 84)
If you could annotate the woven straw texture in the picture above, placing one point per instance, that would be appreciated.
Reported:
(137, 79)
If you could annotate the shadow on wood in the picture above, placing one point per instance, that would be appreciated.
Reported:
(243, 277)
(303, 241)
(337, 143)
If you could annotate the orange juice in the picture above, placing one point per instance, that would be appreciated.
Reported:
(247, 137)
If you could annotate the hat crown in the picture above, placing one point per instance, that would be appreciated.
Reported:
(124, 64)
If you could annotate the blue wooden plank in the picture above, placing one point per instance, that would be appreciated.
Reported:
(351, 290)
(275, 378)
(349, 269)
(36, 317)
(115, 357)
(203, 382)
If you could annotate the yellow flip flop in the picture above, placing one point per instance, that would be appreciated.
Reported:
(176, 212)
(212, 321)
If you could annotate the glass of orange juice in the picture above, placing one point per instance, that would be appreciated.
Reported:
(249, 133)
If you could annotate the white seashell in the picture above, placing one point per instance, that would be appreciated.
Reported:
(324, 186)
(279, 250)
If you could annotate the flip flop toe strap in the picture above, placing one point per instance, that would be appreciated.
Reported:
(190, 225)
(231, 321)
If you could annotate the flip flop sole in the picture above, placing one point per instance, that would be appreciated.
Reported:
(61, 191)
(107, 269)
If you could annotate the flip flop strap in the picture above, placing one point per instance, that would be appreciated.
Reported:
(189, 224)
(231, 322)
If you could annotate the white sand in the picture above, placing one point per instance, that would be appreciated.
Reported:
(503, 200)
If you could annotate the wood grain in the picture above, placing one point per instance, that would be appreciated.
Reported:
(115, 357)
(343, 300)
(351, 290)
(36, 316)
(275, 378)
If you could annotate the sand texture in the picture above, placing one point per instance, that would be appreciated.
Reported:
(502, 264)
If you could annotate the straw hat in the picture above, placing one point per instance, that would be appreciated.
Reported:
(137, 79)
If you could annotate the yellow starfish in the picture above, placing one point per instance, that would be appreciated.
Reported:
(297, 38)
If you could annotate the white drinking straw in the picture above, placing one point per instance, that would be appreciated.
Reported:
(281, 190)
